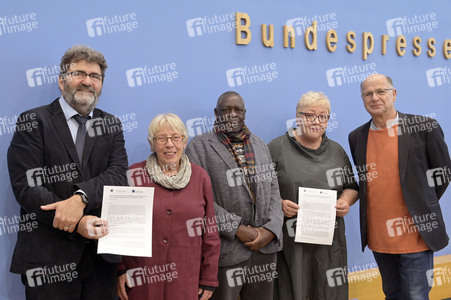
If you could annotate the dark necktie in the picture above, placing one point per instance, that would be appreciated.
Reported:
(81, 135)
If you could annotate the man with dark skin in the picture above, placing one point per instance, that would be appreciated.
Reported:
(247, 203)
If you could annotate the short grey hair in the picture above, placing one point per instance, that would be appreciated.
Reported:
(171, 121)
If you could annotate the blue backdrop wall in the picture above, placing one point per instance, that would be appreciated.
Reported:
(179, 56)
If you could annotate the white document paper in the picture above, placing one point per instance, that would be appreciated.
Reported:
(129, 212)
(316, 216)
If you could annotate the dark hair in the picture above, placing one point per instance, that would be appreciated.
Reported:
(82, 52)
(227, 95)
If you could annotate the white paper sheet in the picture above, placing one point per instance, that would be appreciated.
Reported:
(129, 213)
(316, 216)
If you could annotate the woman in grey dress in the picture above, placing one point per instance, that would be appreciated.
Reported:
(305, 157)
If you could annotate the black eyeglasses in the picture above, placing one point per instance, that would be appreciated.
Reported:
(80, 75)
(380, 92)
(312, 117)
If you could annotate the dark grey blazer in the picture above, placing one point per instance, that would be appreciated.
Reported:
(421, 147)
(47, 145)
(233, 201)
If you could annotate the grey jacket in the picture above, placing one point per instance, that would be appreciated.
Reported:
(233, 201)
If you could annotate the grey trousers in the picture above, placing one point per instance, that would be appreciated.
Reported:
(252, 279)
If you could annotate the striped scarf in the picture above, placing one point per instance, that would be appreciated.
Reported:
(243, 137)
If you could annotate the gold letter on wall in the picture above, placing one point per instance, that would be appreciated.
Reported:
(268, 42)
(243, 28)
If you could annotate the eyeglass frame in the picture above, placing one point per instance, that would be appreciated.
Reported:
(169, 138)
(86, 75)
(308, 115)
(370, 94)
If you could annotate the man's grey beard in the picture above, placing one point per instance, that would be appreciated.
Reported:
(83, 104)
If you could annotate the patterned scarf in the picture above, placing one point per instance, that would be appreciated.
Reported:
(176, 182)
(243, 137)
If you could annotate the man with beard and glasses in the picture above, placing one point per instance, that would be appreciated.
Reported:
(247, 202)
(58, 171)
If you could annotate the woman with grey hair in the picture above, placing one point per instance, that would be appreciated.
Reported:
(303, 156)
(185, 240)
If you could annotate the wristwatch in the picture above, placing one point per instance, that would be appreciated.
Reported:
(84, 198)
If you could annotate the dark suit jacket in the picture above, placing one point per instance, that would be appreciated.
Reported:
(44, 168)
(421, 147)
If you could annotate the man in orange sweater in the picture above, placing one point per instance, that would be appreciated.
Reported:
(400, 216)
